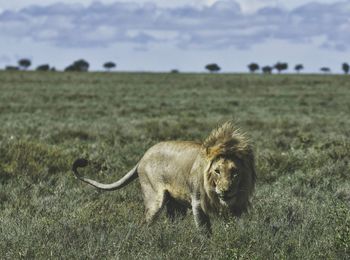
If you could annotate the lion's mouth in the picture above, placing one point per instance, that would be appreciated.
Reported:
(227, 196)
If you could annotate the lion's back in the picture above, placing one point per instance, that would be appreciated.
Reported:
(170, 156)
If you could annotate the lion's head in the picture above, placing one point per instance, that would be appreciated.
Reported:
(230, 174)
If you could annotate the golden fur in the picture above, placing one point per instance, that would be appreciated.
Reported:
(215, 177)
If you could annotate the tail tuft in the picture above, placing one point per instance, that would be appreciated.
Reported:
(78, 163)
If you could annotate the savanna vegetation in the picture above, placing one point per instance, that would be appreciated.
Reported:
(298, 124)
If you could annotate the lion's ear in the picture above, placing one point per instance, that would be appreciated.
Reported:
(213, 151)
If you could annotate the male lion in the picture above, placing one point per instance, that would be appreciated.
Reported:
(217, 176)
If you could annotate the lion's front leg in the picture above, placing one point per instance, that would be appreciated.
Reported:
(201, 218)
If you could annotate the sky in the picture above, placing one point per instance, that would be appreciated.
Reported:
(160, 35)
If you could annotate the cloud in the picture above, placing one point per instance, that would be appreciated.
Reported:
(220, 25)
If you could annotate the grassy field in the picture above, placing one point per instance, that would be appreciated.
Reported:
(300, 127)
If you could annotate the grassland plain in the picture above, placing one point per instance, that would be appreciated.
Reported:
(300, 126)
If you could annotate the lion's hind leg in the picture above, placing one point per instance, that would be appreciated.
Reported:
(154, 203)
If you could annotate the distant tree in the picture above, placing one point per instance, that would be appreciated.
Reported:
(70, 68)
(109, 65)
(325, 69)
(346, 67)
(213, 67)
(267, 69)
(53, 69)
(174, 71)
(82, 65)
(253, 67)
(298, 67)
(79, 65)
(44, 67)
(280, 66)
(24, 63)
(11, 68)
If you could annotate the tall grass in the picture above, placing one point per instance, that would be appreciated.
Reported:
(299, 125)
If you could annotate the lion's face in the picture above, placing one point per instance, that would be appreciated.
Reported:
(226, 177)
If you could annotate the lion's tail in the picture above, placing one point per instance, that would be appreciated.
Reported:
(129, 177)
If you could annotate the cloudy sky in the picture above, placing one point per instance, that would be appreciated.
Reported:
(160, 35)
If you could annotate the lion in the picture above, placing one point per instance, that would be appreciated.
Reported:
(216, 177)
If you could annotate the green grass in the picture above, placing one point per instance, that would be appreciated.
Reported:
(299, 126)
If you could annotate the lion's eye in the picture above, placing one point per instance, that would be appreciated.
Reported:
(217, 171)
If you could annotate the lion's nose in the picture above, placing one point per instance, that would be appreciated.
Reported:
(223, 194)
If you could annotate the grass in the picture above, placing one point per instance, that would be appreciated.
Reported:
(298, 123)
